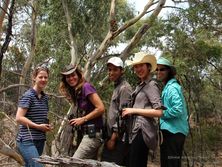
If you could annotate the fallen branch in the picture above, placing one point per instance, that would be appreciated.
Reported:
(8, 151)
(70, 161)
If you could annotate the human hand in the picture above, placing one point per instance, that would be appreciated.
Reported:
(111, 144)
(127, 111)
(77, 121)
(45, 127)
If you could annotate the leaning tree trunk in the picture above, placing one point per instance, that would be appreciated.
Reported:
(64, 143)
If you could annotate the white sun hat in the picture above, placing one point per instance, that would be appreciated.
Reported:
(116, 61)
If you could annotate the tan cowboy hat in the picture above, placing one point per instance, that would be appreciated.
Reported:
(69, 69)
(142, 57)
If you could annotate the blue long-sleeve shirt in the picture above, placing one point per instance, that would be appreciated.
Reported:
(175, 117)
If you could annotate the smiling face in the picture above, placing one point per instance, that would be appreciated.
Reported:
(162, 73)
(142, 70)
(41, 80)
(114, 72)
(72, 79)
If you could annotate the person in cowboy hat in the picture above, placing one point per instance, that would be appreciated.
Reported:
(146, 104)
(89, 114)
(115, 149)
(173, 124)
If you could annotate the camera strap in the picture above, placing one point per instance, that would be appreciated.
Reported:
(131, 118)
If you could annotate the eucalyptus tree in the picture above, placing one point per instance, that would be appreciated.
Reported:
(80, 32)
(94, 53)
(3, 10)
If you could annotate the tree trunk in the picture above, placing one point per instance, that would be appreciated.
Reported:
(28, 62)
(3, 11)
(74, 55)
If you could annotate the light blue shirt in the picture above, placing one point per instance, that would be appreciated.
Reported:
(175, 117)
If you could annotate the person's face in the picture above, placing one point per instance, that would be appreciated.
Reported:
(114, 72)
(72, 79)
(41, 79)
(142, 71)
(162, 72)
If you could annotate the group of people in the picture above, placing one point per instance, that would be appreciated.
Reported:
(132, 127)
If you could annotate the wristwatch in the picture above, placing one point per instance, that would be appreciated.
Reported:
(85, 119)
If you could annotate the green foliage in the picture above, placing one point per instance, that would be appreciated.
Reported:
(191, 38)
(203, 144)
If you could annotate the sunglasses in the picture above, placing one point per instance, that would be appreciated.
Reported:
(162, 69)
(42, 67)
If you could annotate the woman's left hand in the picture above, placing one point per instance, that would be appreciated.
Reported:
(77, 121)
(127, 111)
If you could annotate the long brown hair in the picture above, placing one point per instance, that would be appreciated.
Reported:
(171, 73)
(69, 92)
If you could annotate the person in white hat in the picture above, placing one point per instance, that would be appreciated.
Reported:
(115, 149)
(174, 122)
(146, 104)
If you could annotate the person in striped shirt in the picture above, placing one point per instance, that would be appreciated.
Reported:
(32, 118)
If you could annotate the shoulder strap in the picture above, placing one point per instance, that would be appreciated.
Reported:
(136, 93)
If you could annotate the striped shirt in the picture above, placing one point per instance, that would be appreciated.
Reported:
(37, 113)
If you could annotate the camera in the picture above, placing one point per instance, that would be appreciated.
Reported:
(91, 130)
(124, 105)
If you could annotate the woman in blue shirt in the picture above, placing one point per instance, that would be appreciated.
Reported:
(174, 121)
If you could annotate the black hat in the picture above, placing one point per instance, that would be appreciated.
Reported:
(69, 69)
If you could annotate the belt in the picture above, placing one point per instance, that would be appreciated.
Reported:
(86, 129)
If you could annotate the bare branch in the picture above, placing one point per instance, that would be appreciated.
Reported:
(10, 119)
(111, 35)
(134, 20)
(54, 95)
(143, 29)
(218, 69)
(73, 46)
(13, 86)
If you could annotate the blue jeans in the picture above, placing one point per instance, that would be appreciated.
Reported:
(30, 150)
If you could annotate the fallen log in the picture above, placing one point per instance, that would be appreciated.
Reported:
(8, 151)
(73, 162)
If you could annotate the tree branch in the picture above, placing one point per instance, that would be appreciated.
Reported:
(8, 35)
(74, 54)
(13, 86)
(143, 29)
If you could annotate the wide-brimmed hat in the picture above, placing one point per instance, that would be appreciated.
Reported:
(69, 69)
(116, 61)
(165, 62)
(142, 57)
